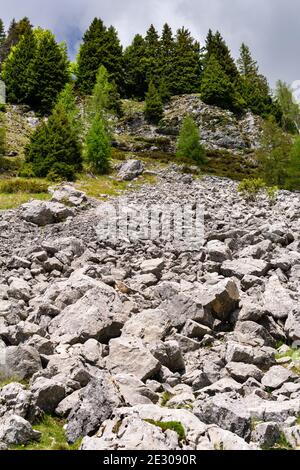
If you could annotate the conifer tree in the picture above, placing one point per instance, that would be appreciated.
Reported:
(216, 46)
(188, 143)
(135, 68)
(67, 100)
(187, 64)
(16, 69)
(153, 105)
(152, 54)
(98, 145)
(54, 147)
(217, 88)
(105, 97)
(167, 61)
(101, 46)
(49, 71)
(253, 86)
(16, 30)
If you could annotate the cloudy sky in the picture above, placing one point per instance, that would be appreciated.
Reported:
(269, 27)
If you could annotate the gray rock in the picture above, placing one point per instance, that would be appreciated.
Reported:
(15, 430)
(129, 355)
(266, 434)
(153, 266)
(43, 212)
(134, 391)
(48, 393)
(277, 376)
(20, 362)
(98, 315)
(218, 251)
(245, 267)
(277, 300)
(242, 372)
(96, 403)
(131, 170)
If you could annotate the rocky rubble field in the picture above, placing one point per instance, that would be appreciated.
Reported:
(145, 346)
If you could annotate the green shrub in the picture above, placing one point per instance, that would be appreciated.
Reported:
(251, 188)
(18, 185)
(61, 172)
(171, 425)
(188, 144)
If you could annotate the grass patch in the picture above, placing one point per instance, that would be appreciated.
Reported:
(9, 380)
(23, 185)
(171, 425)
(11, 201)
(53, 436)
(165, 397)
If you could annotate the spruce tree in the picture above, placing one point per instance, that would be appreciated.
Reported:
(49, 71)
(16, 30)
(135, 68)
(16, 69)
(153, 105)
(67, 100)
(253, 86)
(101, 46)
(98, 145)
(54, 147)
(187, 64)
(188, 143)
(216, 46)
(167, 61)
(152, 54)
(217, 88)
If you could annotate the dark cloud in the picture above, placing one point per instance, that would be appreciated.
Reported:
(269, 27)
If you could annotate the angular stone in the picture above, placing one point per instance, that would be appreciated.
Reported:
(245, 267)
(277, 376)
(129, 355)
(44, 212)
(277, 300)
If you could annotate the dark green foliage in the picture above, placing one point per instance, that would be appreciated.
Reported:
(217, 88)
(274, 154)
(15, 32)
(135, 69)
(49, 72)
(36, 71)
(188, 144)
(153, 105)
(293, 167)
(152, 54)
(61, 172)
(16, 71)
(54, 142)
(253, 86)
(216, 46)
(98, 146)
(101, 46)
(187, 64)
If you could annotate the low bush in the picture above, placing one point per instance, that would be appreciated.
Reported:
(19, 185)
